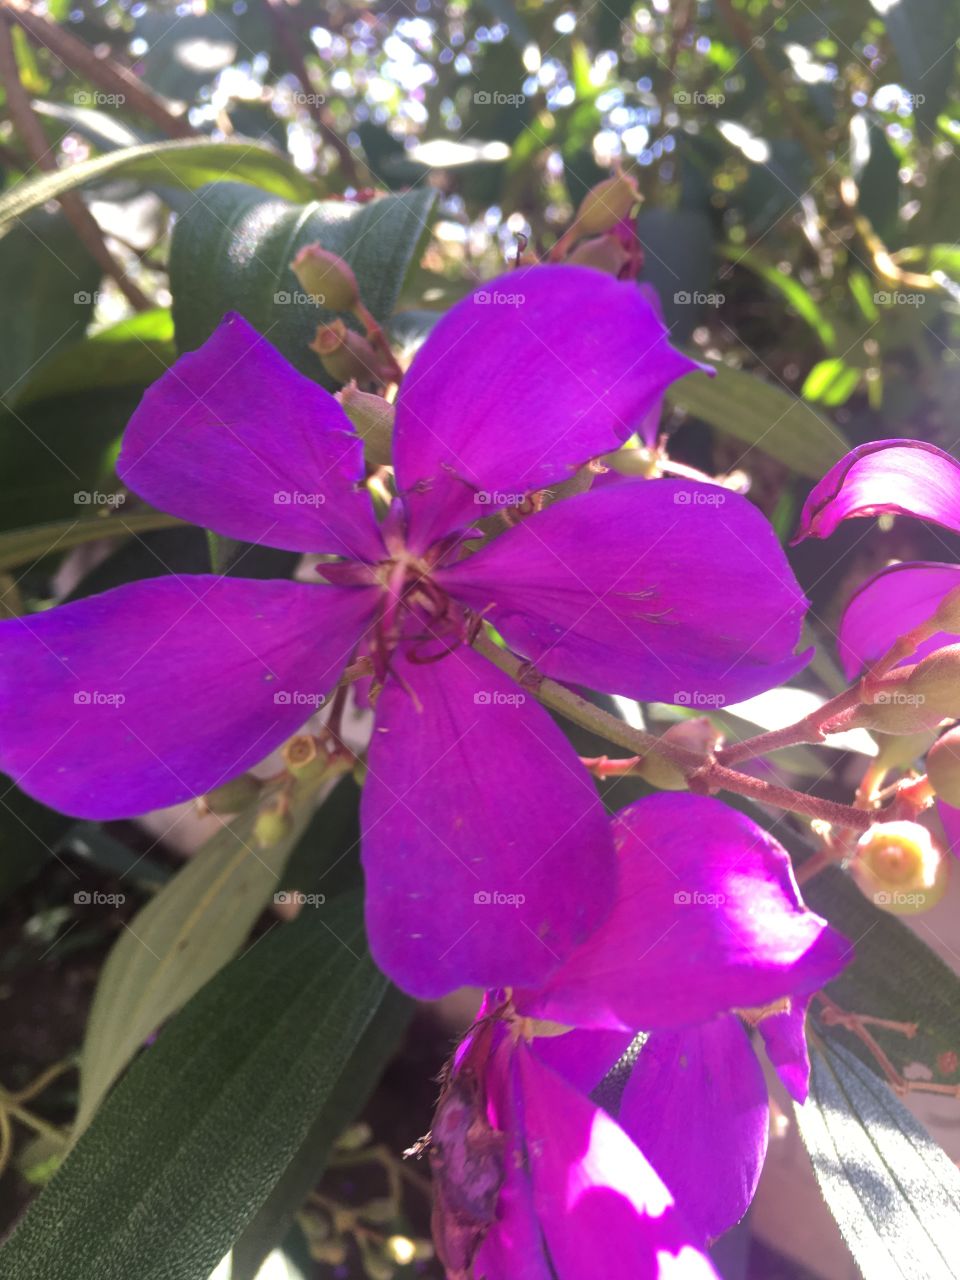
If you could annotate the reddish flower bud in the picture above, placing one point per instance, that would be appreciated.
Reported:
(943, 767)
(346, 355)
(899, 867)
(603, 253)
(373, 418)
(326, 277)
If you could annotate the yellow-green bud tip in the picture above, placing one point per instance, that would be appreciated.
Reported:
(899, 867)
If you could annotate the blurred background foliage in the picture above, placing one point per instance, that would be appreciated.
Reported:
(800, 186)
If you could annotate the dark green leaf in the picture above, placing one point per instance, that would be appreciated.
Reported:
(49, 282)
(894, 1193)
(20, 546)
(233, 249)
(203, 1127)
(924, 35)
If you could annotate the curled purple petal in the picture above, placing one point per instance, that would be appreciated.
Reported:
(708, 919)
(654, 589)
(696, 1106)
(159, 691)
(890, 604)
(904, 477)
(785, 1040)
(234, 439)
(521, 383)
(487, 853)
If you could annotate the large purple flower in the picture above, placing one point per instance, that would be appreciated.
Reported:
(902, 477)
(161, 690)
(707, 922)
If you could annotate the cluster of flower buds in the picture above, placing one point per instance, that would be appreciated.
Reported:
(364, 358)
(602, 234)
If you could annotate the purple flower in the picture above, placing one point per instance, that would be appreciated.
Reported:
(903, 477)
(161, 690)
(707, 921)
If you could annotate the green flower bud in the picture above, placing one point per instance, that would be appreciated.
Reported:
(373, 418)
(937, 679)
(943, 767)
(605, 204)
(326, 277)
(272, 825)
(304, 758)
(233, 797)
(899, 868)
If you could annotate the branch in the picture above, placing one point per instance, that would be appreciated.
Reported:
(110, 75)
(31, 132)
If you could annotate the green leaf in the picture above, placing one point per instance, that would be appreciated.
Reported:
(199, 1133)
(894, 975)
(894, 1193)
(232, 251)
(679, 263)
(831, 382)
(132, 353)
(180, 939)
(763, 416)
(790, 289)
(49, 282)
(21, 546)
(186, 165)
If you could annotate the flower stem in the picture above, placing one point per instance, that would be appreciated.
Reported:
(703, 773)
(812, 728)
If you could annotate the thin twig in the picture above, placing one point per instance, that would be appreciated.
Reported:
(31, 132)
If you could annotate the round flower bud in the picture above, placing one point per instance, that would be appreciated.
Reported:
(899, 868)
(943, 767)
(233, 796)
(373, 418)
(303, 759)
(605, 204)
(272, 825)
(326, 277)
(896, 706)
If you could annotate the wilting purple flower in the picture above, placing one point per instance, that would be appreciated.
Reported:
(708, 921)
(902, 477)
(161, 690)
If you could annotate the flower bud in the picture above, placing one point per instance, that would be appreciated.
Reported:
(936, 679)
(233, 796)
(272, 825)
(327, 277)
(603, 253)
(895, 706)
(605, 204)
(898, 866)
(346, 355)
(373, 418)
(303, 759)
(943, 767)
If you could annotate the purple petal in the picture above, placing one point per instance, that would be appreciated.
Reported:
(950, 817)
(518, 385)
(659, 589)
(487, 853)
(905, 477)
(158, 691)
(583, 1058)
(785, 1040)
(233, 438)
(602, 1209)
(888, 605)
(696, 1106)
(708, 919)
